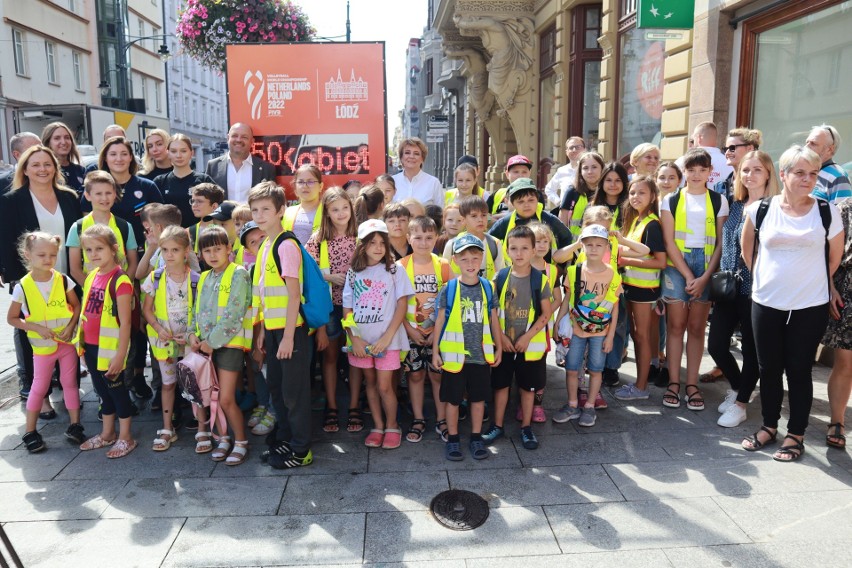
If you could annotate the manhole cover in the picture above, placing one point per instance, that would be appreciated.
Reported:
(459, 510)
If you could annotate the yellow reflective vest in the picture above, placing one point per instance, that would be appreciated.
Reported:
(538, 344)
(635, 275)
(272, 308)
(452, 344)
(162, 350)
(108, 339)
(89, 221)
(681, 230)
(54, 314)
(441, 269)
(292, 212)
(241, 340)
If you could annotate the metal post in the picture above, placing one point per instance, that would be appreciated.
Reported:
(348, 29)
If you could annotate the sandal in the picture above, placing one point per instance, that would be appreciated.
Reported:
(671, 399)
(330, 425)
(838, 438)
(375, 438)
(221, 451)
(203, 443)
(711, 377)
(164, 440)
(790, 453)
(355, 423)
(238, 454)
(121, 449)
(393, 439)
(95, 443)
(756, 444)
(414, 435)
(443, 433)
(694, 401)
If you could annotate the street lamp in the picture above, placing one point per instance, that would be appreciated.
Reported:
(123, 79)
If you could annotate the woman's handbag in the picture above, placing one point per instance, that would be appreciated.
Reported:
(723, 286)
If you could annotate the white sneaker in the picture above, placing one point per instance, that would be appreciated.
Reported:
(730, 399)
(734, 416)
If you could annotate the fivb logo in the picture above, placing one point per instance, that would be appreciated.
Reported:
(255, 86)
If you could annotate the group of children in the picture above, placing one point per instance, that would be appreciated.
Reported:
(462, 309)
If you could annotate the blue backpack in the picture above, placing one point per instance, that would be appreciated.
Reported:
(315, 307)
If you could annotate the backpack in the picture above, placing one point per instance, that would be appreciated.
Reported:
(715, 199)
(763, 209)
(451, 296)
(200, 386)
(315, 306)
(194, 277)
(536, 278)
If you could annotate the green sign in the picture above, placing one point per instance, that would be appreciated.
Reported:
(665, 14)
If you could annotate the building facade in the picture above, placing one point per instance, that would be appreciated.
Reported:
(535, 72)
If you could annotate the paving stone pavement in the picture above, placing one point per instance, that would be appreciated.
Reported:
(646, 486)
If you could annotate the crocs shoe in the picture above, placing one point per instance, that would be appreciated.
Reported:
(538, 415)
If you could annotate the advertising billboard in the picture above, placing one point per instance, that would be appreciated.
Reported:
(320, 103)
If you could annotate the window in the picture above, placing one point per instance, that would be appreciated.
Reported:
(141, 31)
(585, 72)
(50, 55)
(640, 90)
(195, 112)
(72, 5)
(547, 93)
(18, 47)
(204, 117)
(158, 102)
(186, 116)
(77, 60)
(430, 74)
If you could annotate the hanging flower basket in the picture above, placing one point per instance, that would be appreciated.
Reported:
(205, 26)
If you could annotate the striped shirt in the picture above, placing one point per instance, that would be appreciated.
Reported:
(832, 183)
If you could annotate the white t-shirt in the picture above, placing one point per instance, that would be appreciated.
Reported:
(372, 295)
(53, 224)
(423, 187)
(43, 287)
(696, 215)
(790, 271)
(720, 170)
(555, 189)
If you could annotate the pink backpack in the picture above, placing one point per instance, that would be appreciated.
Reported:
(197, 378)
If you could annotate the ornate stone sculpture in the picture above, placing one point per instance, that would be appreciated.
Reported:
(481, 97)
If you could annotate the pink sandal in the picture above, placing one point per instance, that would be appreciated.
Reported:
(375, 438)
(95, 443)
(393, 439)
(121, 449)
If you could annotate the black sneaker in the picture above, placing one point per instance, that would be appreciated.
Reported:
(140, 388)
(75, 434)
(290, 460)
(610, 377)
(33, 442)
(280, 449)
(662, 379)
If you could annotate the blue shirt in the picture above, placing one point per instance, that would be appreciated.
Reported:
(731, 251)
(832, 183)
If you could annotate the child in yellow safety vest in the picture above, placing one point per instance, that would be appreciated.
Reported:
(467, 345)
(169, 298)
(204, 199)
(474, 212)
(45, 306)
(222, 328)
(104, 338)
(304, 218)
(241, 215)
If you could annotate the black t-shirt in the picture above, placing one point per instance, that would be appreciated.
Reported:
(155, 173)
(175, 191)
(74, 175)
(570, 199)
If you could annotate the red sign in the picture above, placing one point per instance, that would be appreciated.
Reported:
(649, 82)
(320, 103)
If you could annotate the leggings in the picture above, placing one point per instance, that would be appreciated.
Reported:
(723, 322)
(786, 342)
(43, 366)
(113, 393)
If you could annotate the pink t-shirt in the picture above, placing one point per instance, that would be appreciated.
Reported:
(95, 304)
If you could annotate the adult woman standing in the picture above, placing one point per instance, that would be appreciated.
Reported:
(791, 289)
(412, 181)
(645, 158)
(176, 184)
(38, 201)
(839, 336)
(155, 160)
(57, 136)
(755, 179)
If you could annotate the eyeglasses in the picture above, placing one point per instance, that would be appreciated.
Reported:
(733, 147)
(306, 182)
(196, 201)
(572, 148)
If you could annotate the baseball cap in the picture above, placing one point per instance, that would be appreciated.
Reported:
(594, 231)
(468, 159)
(222, 213)
(465, 242)
(246, 229)
(520, 184)
(371, 226)
(519, 159)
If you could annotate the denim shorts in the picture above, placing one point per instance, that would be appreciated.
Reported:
(334, 328)
(674, 284)
(577, 350)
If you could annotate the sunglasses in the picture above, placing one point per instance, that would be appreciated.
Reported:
(733, 147)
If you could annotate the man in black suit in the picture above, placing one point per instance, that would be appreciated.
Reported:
(238, 171)
(18, 144)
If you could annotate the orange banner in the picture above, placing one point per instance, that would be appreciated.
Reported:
(320, 103)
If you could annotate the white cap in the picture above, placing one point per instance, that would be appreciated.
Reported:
(594, 231)
(371, 226)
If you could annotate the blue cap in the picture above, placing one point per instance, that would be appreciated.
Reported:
(466, 241)
(245, 230)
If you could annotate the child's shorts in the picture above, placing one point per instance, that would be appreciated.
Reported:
(674, 284)
(229, 359)
(334, 329)
(577, 350)
(419, 359)
(473, 379)
(529, 375)
(390, 362)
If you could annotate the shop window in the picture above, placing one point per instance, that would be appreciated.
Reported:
(585, 72)
(793, 74)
